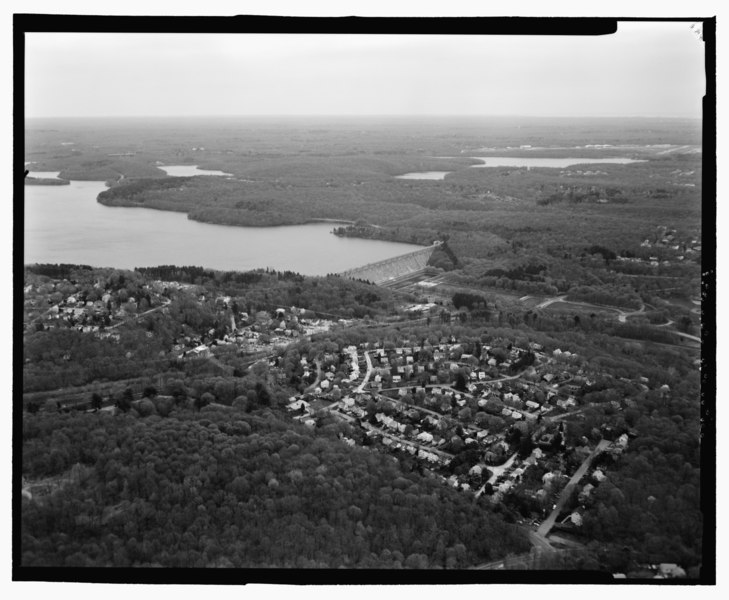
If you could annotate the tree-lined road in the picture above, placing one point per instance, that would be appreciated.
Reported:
(547, 525)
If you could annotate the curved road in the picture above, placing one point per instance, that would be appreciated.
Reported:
(360, 388)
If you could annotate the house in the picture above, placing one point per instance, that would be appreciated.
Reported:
(505, 486)
(671, 570)
(430, 420)
(201, 351)
(298, 405)
(585, 493)
(518, 472)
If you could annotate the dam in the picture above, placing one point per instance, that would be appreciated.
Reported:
(393, 268)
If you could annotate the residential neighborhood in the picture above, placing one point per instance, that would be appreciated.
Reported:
(490, 424)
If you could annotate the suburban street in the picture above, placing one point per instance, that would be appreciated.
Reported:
(140, 315)
(547, 525)
(497, 471)
(361, 386)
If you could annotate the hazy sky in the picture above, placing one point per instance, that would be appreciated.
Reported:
(646, 69)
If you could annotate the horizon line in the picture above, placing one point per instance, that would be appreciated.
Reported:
(369, 116)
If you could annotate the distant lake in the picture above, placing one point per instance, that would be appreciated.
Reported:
(44, 174)
(424, 175)
(189, 171)
(65, 224)
(556, 163)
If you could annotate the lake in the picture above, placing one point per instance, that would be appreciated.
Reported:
(44, 174)
(424, 175)
(189, 171)
(555, 163)
(509, 161)
(65, 224)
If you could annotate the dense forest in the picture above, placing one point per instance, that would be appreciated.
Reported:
(233, 489)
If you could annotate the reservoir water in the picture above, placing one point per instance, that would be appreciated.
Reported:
(517, 161)
(555, 163)
(188, 171)
(65, 224)
(424, 175)
(44, 174)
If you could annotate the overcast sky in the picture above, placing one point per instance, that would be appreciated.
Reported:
(646, 69)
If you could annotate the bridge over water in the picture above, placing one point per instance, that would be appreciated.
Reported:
(393, 268)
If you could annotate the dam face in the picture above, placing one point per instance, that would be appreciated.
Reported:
(392, 268)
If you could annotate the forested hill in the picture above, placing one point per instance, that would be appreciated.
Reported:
(228, 488)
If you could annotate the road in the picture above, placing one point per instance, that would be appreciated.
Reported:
(687, 336)
(539, 541)
(140, 315)
(547, 525)
(497, 471)
(43, 314)
(318, 377)
(549, 301)
(536, 540)
(360, 388)
(406, 442)
(622, 315)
